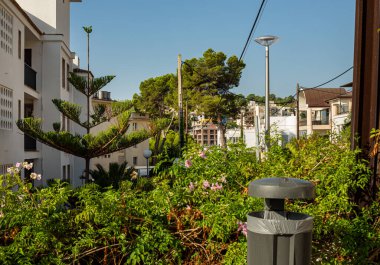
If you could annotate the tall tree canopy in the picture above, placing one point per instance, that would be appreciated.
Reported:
(157, 98)
(207, 82)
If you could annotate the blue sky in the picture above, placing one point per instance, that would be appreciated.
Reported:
(139, 39)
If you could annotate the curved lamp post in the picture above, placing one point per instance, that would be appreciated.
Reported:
(266, 41)
(147, 154)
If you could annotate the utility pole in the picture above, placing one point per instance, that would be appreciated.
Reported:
(180, 105)
(257, 134)
(186, 118)
(242, 125)
(298, 111)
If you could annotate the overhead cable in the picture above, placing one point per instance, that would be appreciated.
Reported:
(332, 79)
(257, 19)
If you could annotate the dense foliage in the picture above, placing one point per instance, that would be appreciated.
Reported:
(191, 213)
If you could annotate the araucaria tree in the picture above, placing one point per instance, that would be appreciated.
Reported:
(207, 82)
(88, 146)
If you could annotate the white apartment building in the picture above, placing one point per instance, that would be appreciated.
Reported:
(282, 122)
(341, 107)
(35, 59)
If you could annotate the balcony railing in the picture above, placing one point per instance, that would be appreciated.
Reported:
(320, 122)
(30, 77)
(303, 122)
(30, 144)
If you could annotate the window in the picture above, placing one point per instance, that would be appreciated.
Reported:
(68, 177)
(63, 73)
(63, 120)
(6, 29)
(67, 73)
(68, 124)
(134, 126)
(19, 44)
(64, 172)
(6, 108)
(343, 108)
(134, 160)
(19, 109)
(28, 57)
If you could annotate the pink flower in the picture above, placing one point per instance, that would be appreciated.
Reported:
(18, 164)
(35, 176)
(202, 155)
(223, 179)
(206, 184)
(188, 163)
(191, 186)
(27, 165)
(243, 228)
(216, 186)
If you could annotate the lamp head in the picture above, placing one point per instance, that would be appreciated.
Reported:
(266, 40)
(147, 153)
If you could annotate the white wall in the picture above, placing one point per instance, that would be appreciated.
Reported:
(11, 69)
(42, 13)
(51, 16)
(285, 125)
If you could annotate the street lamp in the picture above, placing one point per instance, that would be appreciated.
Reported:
(266, 41)
(147, 154)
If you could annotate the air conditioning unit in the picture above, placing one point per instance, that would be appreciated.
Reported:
(105, 95)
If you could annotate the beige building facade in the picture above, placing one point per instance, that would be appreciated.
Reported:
(133, 155)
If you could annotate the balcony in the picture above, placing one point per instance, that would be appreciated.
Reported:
(30, 77)
(320, 122)
(303, 122)
(30, 144)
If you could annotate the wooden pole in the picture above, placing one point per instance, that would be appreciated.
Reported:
(298, 111)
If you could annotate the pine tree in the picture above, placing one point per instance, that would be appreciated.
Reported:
(88, 146)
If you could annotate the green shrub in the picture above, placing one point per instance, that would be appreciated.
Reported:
(192, 212)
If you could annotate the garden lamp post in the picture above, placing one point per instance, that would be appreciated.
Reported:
(147, 154)
(266, 41)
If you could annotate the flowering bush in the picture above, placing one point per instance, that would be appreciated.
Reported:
(192, 213)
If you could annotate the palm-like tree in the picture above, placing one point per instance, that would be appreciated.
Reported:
(113, 177)
(88, 146)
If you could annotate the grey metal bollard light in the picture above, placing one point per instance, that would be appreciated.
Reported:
(147, 154)
(275, 236)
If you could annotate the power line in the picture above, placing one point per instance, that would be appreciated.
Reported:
(332, 79)
(257, 19)
(255, 23)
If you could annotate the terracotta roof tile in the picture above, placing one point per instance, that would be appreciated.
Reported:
(318, 97)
